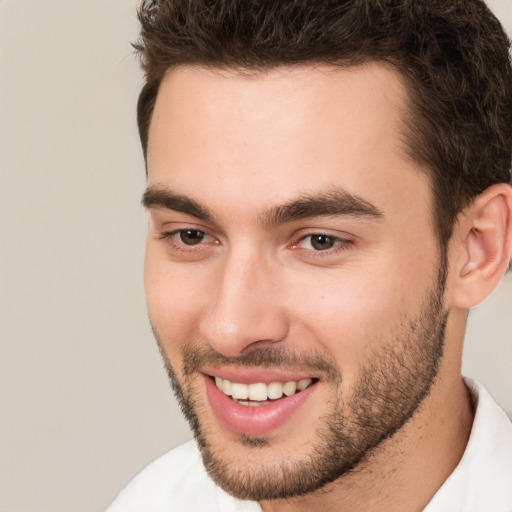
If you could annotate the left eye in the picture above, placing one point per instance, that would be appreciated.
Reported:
(192, 236)
(319, 242)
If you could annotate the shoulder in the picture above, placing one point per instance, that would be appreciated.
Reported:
(176, 482)
(489, 449)
(156, 484)
(481, 481)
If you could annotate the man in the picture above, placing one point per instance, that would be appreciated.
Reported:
(328, 195)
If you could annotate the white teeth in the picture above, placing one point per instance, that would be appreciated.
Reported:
(239, 391)
(303, 384)
(249, 404)
(289, 388)
(226, 387)
(259, 391)
(275, 390)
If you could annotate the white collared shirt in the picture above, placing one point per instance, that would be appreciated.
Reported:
(481, 482)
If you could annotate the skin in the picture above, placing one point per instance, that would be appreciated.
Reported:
(239, 148)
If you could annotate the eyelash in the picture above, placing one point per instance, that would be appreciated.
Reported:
(340, 244)
(170, 237)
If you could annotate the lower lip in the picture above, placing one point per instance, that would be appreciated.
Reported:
(254, 421)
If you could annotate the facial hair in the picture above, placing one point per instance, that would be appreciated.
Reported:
(392, 385)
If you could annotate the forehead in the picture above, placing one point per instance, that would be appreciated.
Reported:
(266, 137)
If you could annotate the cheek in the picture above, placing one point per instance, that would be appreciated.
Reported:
(351, 312)
(173, 298)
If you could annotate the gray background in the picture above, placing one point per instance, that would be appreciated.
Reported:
(84, 401)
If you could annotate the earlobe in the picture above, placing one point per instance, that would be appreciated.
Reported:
(484, 246)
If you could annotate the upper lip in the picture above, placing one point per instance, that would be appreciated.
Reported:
(253, 375)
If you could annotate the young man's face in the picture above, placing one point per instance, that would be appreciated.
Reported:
(290, 246)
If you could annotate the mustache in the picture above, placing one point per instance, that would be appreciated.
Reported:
(196, 357)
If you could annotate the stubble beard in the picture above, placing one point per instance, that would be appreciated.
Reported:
(391, 388)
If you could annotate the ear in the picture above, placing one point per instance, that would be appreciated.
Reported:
(482, 246)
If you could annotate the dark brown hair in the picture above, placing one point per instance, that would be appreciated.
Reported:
(452, 54)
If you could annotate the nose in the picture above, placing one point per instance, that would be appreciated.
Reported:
(244, 310)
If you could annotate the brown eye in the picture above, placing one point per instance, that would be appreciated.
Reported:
(322, 242)
(191, 236)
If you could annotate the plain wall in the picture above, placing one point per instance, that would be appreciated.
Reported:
(84, 400)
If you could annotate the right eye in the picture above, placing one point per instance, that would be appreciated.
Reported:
(191, 236)
(189, 241)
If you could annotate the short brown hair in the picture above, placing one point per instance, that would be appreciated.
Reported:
(453, 55)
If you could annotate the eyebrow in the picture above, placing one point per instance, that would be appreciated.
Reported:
(161, 198)
(332, 203)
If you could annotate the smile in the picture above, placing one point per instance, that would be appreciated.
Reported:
(255, 407)
(260, 393)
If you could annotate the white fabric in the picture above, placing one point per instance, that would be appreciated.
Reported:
(482, 481)
(177, 482)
